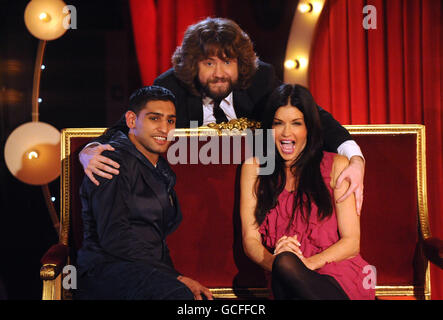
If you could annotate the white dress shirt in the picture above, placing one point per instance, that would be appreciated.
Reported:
(226, 105)
(349, 148)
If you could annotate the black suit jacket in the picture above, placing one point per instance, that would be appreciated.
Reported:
(248, 103)
(129, 217)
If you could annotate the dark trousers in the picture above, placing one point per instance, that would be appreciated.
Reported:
(292, 280)
(129, 281)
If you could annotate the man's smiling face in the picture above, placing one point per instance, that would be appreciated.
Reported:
(218, 76)
(149, 129)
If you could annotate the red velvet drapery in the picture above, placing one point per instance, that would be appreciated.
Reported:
(158, 28)
(391, 74)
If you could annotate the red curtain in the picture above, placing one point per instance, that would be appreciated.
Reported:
(158, 28)
(391, 74)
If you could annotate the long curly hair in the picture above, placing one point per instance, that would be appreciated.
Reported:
(214, 37)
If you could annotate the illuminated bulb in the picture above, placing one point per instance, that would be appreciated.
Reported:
(43, 67)
(44, 17)
(302, 63)
(52, 199)
(289, 64)
(299, 63)
(40, 100)
(317, 7)
(32, 155)
(305, 7)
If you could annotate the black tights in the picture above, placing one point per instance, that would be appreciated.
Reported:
(292, 280)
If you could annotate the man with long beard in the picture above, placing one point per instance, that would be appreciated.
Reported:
(216, 75)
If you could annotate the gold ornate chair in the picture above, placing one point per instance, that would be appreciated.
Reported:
(395, 235)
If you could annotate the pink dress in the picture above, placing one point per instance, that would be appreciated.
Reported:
(316, 236)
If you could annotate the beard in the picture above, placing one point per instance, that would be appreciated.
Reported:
(218, 93)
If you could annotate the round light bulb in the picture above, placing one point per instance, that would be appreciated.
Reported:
(305, 7)
(317, 7)
(32, 155)
(289, 64)
(303, 63)
(44, 17)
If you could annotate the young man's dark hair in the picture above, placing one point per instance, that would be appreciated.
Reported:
(140, 97)
(137, 101)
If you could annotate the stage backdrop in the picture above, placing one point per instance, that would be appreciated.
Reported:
(391, 74)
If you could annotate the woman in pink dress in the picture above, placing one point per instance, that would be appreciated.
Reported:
(292, 224)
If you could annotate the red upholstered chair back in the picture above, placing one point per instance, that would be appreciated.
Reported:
(73, 141)
(208, 247)
(394, 214)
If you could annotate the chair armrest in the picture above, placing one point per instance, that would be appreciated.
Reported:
(53, 261)
(433, 249)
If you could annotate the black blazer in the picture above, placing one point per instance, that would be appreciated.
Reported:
(248, 103)
(129, 217)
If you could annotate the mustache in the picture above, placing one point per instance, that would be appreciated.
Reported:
(215, 80)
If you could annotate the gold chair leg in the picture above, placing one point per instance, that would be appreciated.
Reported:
(52, 289)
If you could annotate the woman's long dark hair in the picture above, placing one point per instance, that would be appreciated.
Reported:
(310, 186)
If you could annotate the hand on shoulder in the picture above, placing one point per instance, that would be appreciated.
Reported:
(96, 160)
(349, 175)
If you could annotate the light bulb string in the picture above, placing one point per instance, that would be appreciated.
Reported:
(36, 81)
(35, 118)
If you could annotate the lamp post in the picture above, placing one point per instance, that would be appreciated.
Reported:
(32, 151)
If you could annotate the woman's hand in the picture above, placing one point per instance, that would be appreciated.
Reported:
(196, 288)
(93, 162)
(290, 244)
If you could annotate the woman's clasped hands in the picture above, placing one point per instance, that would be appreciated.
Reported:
(291, 244)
